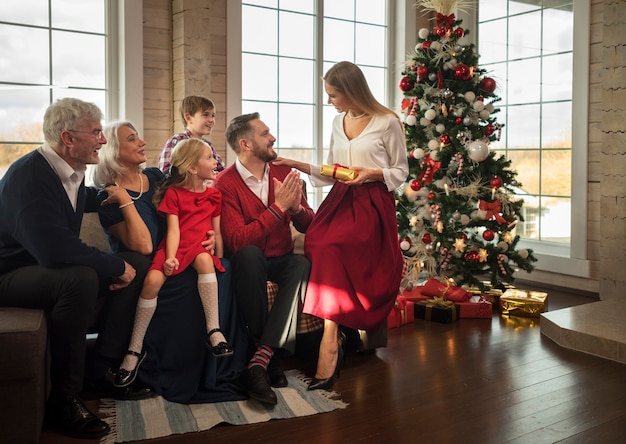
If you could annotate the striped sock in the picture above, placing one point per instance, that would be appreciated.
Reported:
(262, 356)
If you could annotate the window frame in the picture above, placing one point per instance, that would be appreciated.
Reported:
(569, 259)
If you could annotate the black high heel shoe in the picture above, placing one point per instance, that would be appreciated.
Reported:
(220, 350)
(123, 377)
(326, 384)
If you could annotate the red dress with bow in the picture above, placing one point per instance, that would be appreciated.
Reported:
(195, 212)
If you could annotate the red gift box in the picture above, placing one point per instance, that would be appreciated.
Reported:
(435, 288)
(402, 313)
(476, 307)
(415, 294)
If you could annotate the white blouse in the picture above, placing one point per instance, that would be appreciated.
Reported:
(381, 145)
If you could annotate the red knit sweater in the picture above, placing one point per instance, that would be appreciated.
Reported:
(246, 221)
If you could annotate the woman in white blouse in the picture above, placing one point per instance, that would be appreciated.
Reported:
(352, 242)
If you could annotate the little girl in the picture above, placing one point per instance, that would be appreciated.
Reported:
(191, 209)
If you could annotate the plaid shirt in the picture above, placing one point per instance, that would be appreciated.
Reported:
(166, 154)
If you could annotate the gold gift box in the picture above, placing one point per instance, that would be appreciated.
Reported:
(338, 172)
(491, 294)
(523, 303)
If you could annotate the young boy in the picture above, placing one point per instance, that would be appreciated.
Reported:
(198, 114)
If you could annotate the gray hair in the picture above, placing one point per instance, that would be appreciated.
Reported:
(105, 171)
(64, 114)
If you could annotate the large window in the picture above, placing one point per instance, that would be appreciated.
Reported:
(50, 49)
(287, 46)
(528, 47)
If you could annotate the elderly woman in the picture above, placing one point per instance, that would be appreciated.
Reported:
(177, 365)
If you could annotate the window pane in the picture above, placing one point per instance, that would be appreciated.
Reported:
(259, 83)
(526, 163)
(523, 6)
(295, 35)
(558, 31)
(307, 6)
(87, 95)
(10, 152)
(29, 12)
(78, 15)
(371, 11)
(556, 220)
(524, 36)
(291, 132)
(259, 30)
(556, 172)
(22, 112)
(490, 9)
(524, 81)
(78, 59)
(556, 128)
(26, 48)
(371, 42)
(557, 77)
(376, 79)
(343, 9)
(296, 80)
(329, 113)
(492, 45)
(523, 126)
(338, 40)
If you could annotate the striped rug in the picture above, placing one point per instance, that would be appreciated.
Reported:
(156, 417)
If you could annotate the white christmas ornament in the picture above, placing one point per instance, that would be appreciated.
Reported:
(411, 120)
(469, 97)
(423, 33)
(440, 128)
(417, 153)
(478, 150)
(434, 154)
(435, 45)
(424, 121)
(484, 114)
(405, 245)
(433, 144)
(478, 105)
(430, 114)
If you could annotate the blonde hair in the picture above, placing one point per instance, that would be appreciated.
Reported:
(186, 155)
(348, 79)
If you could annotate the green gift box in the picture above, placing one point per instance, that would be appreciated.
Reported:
(437, 310)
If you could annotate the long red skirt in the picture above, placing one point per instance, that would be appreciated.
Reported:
(356, 263)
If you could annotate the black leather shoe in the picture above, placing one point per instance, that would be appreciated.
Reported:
(326, 384)
(123, 377)
(104, 388)
(276, 374)
(222, 349)
(69, 416)
(255, 382)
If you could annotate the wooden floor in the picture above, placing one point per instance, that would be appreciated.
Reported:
(472, 381)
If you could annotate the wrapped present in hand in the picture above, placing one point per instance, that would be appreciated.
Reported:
(339, 172)
(435, 288)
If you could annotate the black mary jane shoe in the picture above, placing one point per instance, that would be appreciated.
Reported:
(326, 384)
(220, 350)
(123, 377)
(69, 416)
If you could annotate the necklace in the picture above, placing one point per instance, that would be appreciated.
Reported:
(140, 187)
(352, 116)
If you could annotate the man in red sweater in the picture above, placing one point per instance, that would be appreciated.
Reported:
(259, 202)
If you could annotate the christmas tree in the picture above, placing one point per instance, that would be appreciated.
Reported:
(458, 212)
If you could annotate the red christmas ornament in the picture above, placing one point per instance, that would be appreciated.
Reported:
(463, 236)
(416, 185)
(488, 235)
(460, 32)
(422, 72)
(425, 45)
(480, 98)
(488, 85)
(445, 139)
(471, 256)
(496, 182)
(431, 195)
(489, 129)
(462, 72)
(458, 120)
(426, 238)
(440, 32)
(406, 84)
